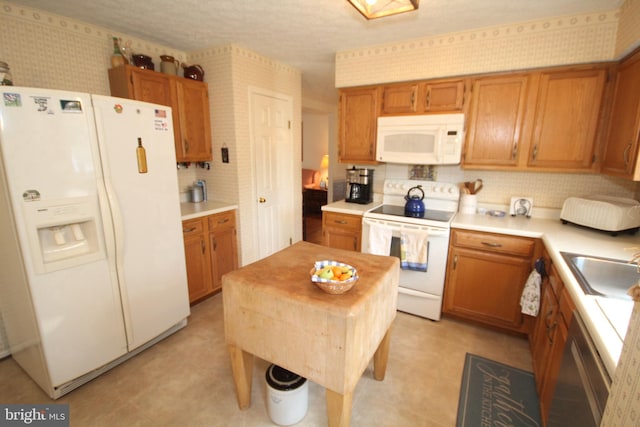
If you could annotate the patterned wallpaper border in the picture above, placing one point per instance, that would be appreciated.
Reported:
(525, 45)
(488, 33)
(244, 52)
(84, 30)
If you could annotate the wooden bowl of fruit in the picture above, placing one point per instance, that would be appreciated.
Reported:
(334, 277)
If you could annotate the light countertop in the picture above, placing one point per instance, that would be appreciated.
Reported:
(349, 208)
(607, 330)
(191, 210)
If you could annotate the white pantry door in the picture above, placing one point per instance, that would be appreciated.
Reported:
(273, 150)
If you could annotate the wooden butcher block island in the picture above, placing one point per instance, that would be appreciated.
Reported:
(272, 310)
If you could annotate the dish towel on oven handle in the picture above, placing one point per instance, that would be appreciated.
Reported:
(530, 299)
(414, 250)
(379, 239)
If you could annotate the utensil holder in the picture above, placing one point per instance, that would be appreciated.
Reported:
(468, 203)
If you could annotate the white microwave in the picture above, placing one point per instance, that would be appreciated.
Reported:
(431, 139)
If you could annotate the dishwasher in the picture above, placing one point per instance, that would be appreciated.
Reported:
(583, 383)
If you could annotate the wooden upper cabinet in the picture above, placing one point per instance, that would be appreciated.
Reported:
(359, 108)
(445, 96)
(621, 150)
(567, 118)
(423, 97)
(195, 144)
(400, 99)
(188, 99)
(495, 121)
(541, 120)
(152, 87)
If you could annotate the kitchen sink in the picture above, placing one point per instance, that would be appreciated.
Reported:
(602, 276)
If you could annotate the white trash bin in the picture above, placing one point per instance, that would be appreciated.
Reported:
(287, 396)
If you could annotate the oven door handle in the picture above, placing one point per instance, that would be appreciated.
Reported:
(433, 232)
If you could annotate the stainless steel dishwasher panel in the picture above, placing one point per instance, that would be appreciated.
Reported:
(583, 384)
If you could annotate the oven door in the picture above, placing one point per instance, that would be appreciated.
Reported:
(430, 281)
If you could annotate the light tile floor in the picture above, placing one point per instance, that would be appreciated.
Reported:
(185, 380)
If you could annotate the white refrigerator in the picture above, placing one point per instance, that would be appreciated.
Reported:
(92, 266)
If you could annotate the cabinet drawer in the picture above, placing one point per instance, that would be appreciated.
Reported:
(222, 221)
(520, 246)
(342, 221)
(192, 226)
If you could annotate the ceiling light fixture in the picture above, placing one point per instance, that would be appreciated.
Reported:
(372, 9)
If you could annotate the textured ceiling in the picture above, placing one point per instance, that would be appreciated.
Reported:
(303, 33)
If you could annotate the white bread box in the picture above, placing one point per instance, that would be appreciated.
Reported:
(602, 212)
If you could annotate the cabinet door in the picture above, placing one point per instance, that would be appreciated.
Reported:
(496, 119)
(567, 116)
(486, 287)
(342, 231)
(400, 99)
(358, 125)
(223, 255)
(544, 333)
(148, 86)
(196, 248)
(621, 151)
(341, 239)
(195, 144)
(444, 96)
(224, 249)
(152, 87)
(552, 370)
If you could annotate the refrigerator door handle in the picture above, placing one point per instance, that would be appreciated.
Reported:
(115, 256)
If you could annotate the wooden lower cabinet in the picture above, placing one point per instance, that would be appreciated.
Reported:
(211, 250)
(550, 336)
(224, 248)
(485, 277)
(196, 251)
(341, 231)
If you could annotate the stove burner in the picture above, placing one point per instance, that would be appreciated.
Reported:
(429, 214)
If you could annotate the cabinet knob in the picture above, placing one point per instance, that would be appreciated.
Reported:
(262, 200)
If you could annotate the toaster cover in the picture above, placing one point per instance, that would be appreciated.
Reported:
(602, 212)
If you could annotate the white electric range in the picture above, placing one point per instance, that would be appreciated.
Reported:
(420, 292)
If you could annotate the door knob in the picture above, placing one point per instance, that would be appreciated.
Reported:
(262, 200)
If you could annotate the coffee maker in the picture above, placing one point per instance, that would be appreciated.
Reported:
(359, 186)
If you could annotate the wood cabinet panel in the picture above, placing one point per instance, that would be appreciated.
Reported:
(486, 273)
(400, 99)
(193, 108)
(188, 99)
(447, 96)
(196, 248)
(567, 119)
(496, 120)
(432, 96)
(224, 250)
(486, 287)
(490, 242)
(621, 150)
(342, 231)
(211, 251)
(359, 108)
(550, 336)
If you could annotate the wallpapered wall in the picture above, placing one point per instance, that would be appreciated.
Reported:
(563, 40)
(236, 71)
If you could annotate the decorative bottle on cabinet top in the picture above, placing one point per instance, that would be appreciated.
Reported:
(117, 59)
